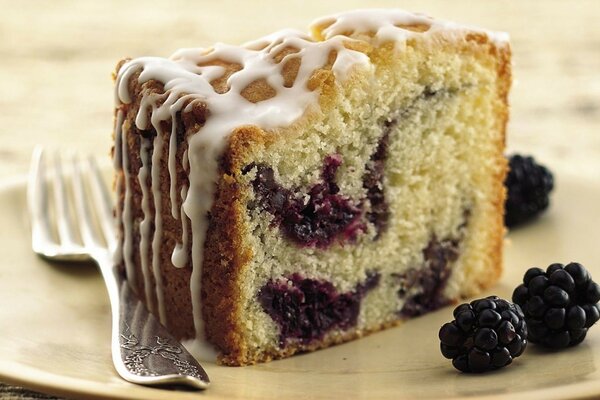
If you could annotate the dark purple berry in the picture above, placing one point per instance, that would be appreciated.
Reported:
(578, 273)
(560, 304)
(536, 307)
(460, 309)
(486, 334)
(489, 318)
(479, 360)
(306, 309)
(521, 293)
(537, 285)
(502, 305)
(555, 318)
(483, 304)
(431, 279)
(486, 339)
(506, 332)
(592, 315)
(562, 279)
(576, 318)
(577, 336)
(529, 185)
(451, 335)
(379, 212)
(316, 217)
(449, 351)
(592, 294)
(511, 317)
(519, 312)
(557, 339)
(536, 330)
(553, 267)
(320, 215)
(465, 320)
(501, 358)
(517, 346)
(532, 273)
(461, 363)
(555, 296)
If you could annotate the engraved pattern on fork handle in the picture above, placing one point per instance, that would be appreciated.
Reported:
(143, 350)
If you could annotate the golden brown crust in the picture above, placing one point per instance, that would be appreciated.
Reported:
(504, 80)
(331, 339)
(504, 83)
(226, 254)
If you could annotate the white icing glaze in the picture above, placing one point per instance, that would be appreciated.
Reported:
(386, 25)
(201, 350)
(172, 171)
(179, 258)
(127, 218)
(117, 163)
(157, 239)
(145, 224)
(187, 76)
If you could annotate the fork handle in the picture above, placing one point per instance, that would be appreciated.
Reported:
(143, 351)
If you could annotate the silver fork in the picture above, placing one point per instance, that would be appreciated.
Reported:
(81, 229)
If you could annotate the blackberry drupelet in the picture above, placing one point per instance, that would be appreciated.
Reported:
(529, 185)
(486, 334)
(560, 304)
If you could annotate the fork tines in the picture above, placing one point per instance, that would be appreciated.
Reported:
(71, 213)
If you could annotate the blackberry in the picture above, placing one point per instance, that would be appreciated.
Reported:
(529, 185)
(559, 304)
(316, 218)
(306, 309)
(486, 334)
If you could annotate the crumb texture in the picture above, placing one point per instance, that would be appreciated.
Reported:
(381, 201)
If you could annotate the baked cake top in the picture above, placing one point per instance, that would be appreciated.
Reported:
(270, 82)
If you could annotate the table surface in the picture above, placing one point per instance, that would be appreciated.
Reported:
(57, 59)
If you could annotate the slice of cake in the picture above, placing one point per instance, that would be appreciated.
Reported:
(303, 190)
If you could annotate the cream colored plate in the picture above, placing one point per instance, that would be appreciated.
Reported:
(55, 328)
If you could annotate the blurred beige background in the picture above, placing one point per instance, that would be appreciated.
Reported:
(57, 57)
